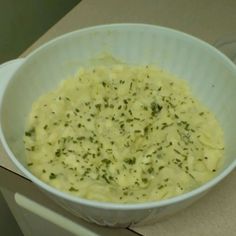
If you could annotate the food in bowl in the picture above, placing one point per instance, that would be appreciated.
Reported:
(123, 134)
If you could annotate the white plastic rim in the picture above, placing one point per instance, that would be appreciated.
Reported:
(122, 206)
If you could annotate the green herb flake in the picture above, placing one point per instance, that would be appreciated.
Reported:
(98, 106)
(52, 176)
(144, 180)
(125, 101)
(160, 187)
(130, 161)
(176, 116)
(122, 126)
(137, 131)
(145, 129)
(72, 189)
(156, 108)
(105, 178)
(130, 86)
(106, 161)
(30, 132)
(58, 153)
(150, 170)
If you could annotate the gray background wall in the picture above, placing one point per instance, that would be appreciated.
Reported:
(21, 23)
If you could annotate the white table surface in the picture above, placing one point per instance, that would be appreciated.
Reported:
(211, 20)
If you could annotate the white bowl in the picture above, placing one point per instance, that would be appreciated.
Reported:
(211, 75)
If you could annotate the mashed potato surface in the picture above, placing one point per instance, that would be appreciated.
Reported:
(123, 134)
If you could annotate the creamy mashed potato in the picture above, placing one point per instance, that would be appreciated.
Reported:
(123, 134)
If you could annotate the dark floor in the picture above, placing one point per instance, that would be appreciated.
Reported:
(22, 22)
(7, 221)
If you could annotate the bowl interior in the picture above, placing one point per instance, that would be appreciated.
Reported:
(211, 76)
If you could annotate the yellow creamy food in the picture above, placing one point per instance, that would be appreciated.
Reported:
(123, 134)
